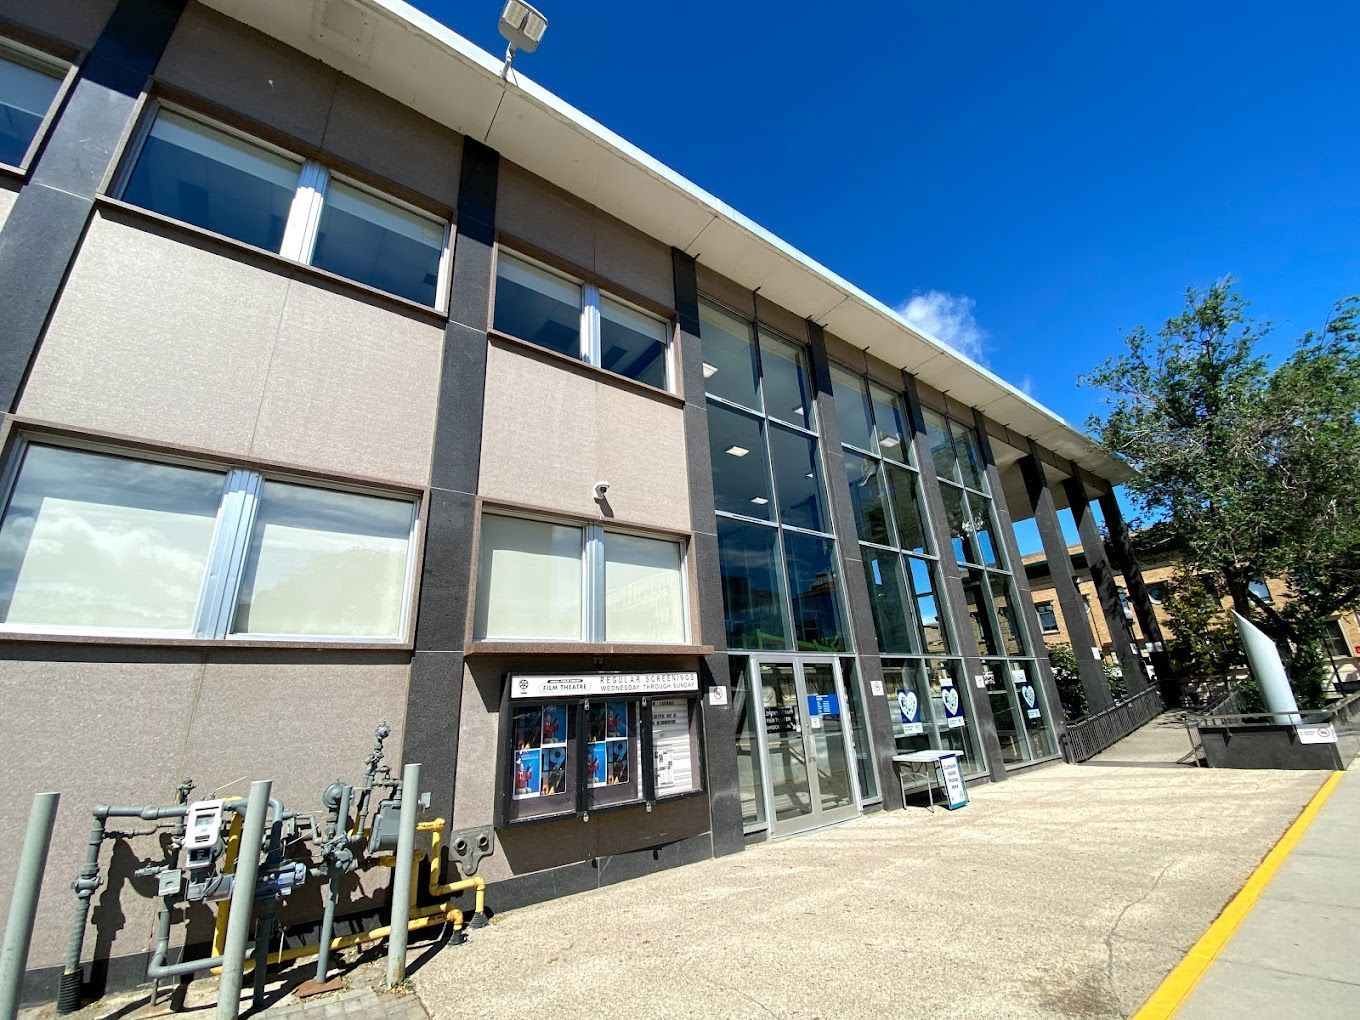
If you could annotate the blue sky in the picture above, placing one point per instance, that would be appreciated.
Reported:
(1038, 178)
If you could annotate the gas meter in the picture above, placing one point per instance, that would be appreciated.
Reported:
(203, 834)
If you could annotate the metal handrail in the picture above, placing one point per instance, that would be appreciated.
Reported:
(1088, 737)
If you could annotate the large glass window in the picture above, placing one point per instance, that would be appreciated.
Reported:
(541, 580)
(558, 313)
(931, 710)
(781, 576)
(376, 241)
(220, 180)
(749, 715)
(27, 88)
(96, 542)
(322, 562)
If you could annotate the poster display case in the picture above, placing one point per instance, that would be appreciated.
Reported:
(574, 744)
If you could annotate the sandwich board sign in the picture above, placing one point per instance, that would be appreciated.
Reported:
(951, 779)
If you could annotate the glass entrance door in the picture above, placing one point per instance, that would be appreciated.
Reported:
(807, 741)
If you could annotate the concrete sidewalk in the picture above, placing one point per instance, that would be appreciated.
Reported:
(1297, 953)
(1069, 891)
(1162, 743)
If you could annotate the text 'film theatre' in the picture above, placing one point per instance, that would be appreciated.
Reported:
(348, 381)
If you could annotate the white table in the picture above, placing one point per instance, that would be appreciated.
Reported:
(920, 763)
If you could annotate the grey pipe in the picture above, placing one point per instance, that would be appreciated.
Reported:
(401, 877)
(68, 991)
(242, 900)
(323, 957)
(24, 903)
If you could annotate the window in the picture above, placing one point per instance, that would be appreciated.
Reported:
(1156, 593)
(241, 188)
(28, 85)
(94, 542)
(1261, 590)
(559, 314)
(541, 580)
(777, 553)
(1048, 618)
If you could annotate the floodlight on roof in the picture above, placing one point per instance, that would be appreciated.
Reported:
(522, 27)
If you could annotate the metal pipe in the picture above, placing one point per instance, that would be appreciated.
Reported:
(323, 959)
(24, 903)
(243, 900)
(72, 977)
(401, 875)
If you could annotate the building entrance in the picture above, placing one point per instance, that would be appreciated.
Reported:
(806, 742)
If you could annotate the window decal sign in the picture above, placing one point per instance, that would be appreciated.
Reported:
(1029, 698)
(590, 684)
(953, 705)
(909, 711)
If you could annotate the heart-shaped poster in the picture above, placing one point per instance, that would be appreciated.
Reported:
(951, 700)
(1027, 692)
(907, 706)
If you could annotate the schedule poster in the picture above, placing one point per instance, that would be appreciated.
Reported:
(671, 746)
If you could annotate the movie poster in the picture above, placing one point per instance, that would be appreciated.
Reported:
(607, 763)
(539, 737)
(528, 774)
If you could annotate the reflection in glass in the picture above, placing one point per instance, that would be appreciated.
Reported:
(741, 472)
(1006, 619)
(1002, 697)
(790, 784)
(1033, 706)
(379, 243)
(814, 588)
(852, 409)
(977, 596)
(911, 530)
(982, 530)
(866, 497)
(643, 589)
(888, 601)
(748, 716)
(864, 757)
(829, 744)
(632, 344)
(941, 446)
(730, 367)
(325, 563)
(538, 306)
(909, 705)
(529, 579)
(797, 479)
(927, 612)
(784, 381)
(26, 94)
(960, 527)
(214, 180)
(894, 439)
(970, 456)
(952, 713)
(95, 541)
(753, 588)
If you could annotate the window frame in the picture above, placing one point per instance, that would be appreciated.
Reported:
(304, 215)
(64, 71)
(592, 299)
(1047, 606)
(224, 567)
(593, 589)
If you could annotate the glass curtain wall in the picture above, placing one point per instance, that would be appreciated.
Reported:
(921, 664)
(996, 631)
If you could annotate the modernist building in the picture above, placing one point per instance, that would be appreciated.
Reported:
(346, 380)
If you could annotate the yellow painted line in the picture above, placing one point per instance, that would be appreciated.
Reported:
(1182, 980)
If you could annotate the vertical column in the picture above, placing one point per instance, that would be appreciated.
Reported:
(1121, 551)
(877, 719)
(1028, 615)
(954, 604)
(48, 220)
(1093, 544)
(1089, 666)
(719, 721)
(434, 699)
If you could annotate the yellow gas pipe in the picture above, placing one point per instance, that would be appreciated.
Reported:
(421, 917)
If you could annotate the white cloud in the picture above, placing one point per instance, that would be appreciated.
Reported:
(1026, 385)
(948, 317)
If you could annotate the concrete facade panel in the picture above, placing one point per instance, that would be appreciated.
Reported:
(631, 260)
(220, 59)
(7, 197)
(77, 22)
(96, 732)
(640, 451)
(850, 356)
(158, 340)
(370, 130)
(531, 209)
(351, 388)
(722, 290)
(781, 320)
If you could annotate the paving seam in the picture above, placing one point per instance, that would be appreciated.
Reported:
(1178, 985)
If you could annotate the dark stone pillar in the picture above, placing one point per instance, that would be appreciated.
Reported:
(1028, 615)
(719, 721)
(953, 603)
(1102, 574)
(1090, 667)
(877, 718)
(44, 229)
(1121, 552)
(434, 700)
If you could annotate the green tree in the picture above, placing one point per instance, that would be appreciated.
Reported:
(1249, 470)
(1068, 680)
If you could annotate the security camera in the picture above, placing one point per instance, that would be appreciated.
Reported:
(600, 489)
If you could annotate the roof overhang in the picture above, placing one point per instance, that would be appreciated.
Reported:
(397, 50)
